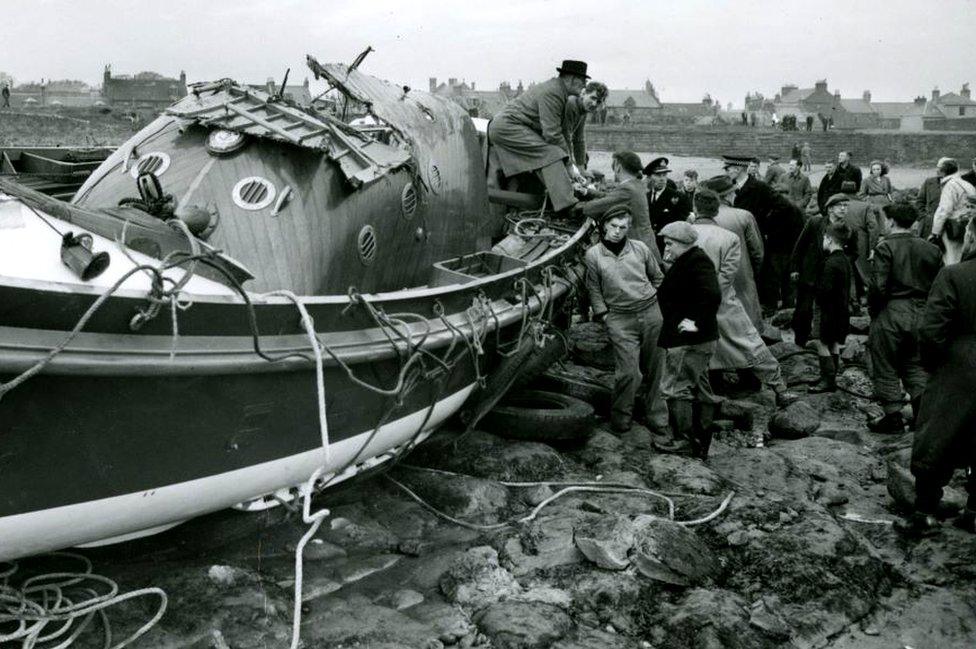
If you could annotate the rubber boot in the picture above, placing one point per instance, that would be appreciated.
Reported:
(916, 406)
(917, 525)
(704, 429)
(836, 359)
(891, 424)
(681, 415)
(966, 521)
(828, 376)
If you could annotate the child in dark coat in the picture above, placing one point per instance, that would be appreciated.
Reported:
(832, 318)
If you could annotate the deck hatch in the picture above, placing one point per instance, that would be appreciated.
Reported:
(155, 163)
(367, 245)
(253, 193)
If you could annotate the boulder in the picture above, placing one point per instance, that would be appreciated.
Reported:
(602, 597)
(543, 544)
(782, 318)
(860, 324)
(449, 623)
(671, 553)
(475, 579)
(466, 498)
(523, 625)
(742, 413)
(707, 619)
(605, 540)
(678, 473)
(797, 420)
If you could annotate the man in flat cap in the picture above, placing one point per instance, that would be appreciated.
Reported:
(665, 202)
(528, 135)
(740, 347)
(689, 297)
(743, 224)
(622, 276)
(629, 191)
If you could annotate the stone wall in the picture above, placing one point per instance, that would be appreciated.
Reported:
(895, 146)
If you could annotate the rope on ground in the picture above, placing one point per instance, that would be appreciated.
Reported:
(68, 599)
(577, 487)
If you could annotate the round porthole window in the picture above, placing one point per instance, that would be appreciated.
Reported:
(367, 245)
(408, 201)
(253, 193)
(155, 163)
(224, 142)
(434, 178)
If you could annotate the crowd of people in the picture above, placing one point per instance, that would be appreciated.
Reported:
(684, 276)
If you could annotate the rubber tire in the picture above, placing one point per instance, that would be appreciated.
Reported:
(537, 415)
(596, 394)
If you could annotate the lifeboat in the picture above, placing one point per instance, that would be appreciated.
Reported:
(249, 293)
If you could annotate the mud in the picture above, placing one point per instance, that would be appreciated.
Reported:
(804, 555)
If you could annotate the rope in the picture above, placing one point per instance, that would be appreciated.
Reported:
(41, 601)
(568, 488)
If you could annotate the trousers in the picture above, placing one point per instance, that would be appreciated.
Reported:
(686, 373)
(637, 357)
(893, 348)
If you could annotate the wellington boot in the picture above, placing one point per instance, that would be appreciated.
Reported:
(891, 424)
(917, 525)
(916, 406)
(682, 417)
(704, 428)
(966, 521)
(828, 376)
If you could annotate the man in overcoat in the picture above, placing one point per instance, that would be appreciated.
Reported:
(528, 134)
(946, 435)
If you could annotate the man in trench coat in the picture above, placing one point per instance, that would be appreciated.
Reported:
(528, 135)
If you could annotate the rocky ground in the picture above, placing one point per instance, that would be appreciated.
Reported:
(804, 554)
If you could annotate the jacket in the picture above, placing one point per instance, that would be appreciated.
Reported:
(743, 224)
(574, 130)
(825, 191)
(952, 201)
(624, 283)
(949, 318)
(774, 173)
(631, 193)
(798, 187)
(903, 267)
(834, 298)
(528, 133)
(863, 219)
(926, 203)
(808, 254)
(758, 198)
(843, 173)
(689, 290)
(671, 205)
(876, 189)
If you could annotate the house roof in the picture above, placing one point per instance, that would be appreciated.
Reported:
(858, 106)
(690, 109)
(952, 99)
(796, 95)
(932, 110)
(641, 98)
(157, 90)
(894, 109)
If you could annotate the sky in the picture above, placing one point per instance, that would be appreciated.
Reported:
(897, 49)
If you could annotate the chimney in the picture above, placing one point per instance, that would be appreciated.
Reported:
(920, 101)
(866, 96)
(821, 85)
(935, 94)
(451, 82)
(472, 85)
(837, 95)
(183, 78)
(785, 90)
(965, 91)
(432, 81)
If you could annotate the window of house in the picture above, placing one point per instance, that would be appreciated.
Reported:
(962, 111)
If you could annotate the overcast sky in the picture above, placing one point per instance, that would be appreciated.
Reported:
(895, 48)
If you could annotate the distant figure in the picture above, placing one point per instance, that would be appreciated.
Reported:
(745, 119)
(823, 121)
(806, 153)
(795, 151)
(809, 123)
(6, 95)
(752, 120)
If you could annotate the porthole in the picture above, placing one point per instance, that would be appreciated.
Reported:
(408, 201)
(155, 163)
(434, 178)
(224, 142)
(253, 193)
(367, 245)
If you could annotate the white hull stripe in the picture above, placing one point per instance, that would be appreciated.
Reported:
(89, 522)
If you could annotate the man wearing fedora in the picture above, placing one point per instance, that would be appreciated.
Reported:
(528, 135)
(665, 202)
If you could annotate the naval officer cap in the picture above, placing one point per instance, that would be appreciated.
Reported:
(657, 166)
(737, 160)
(680, 231)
